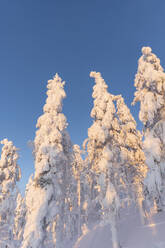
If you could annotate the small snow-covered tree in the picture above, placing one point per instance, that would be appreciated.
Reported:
(50, 194)
(150, 92)
(81, 174)
(19, 220)
(103, 156)
(9, 175)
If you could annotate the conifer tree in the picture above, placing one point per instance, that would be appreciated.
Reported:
(9, 175)
(150, 92)
(19, 220)
(50, 194)
(102, 156)
(133, 169)
(81, 174)
(115, 155)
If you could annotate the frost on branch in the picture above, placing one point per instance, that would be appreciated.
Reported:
(49, 195)
(9, 175)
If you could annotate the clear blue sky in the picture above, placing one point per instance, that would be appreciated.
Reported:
(41, 37)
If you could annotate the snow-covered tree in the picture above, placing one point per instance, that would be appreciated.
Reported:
(19, 221)
(103, 155)
(115, 155)
(150, 92)
(133, 169)
(9, 175)
(81, 174)
(49, 198)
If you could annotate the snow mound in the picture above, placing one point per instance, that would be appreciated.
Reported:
(132, 234)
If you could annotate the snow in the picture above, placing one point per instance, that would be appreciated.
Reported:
(110, 197)
(149, 83)
(50, 217)
(10, 174)
(132, 234)
(146, 50)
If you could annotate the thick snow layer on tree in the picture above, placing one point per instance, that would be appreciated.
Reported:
(19, 221)
(9, 175)
(115, 155)
(150, 92)
(150, 86)
(49, 198)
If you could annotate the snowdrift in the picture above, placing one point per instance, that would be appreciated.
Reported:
(132, 233)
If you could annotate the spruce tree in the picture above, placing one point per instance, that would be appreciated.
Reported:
(133, 169)
(19, 220)
(81, 174)
(9, 175)
(150, 92)
(50, 194)
(102, 156)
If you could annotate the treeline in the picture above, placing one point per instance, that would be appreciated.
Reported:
(72, 189)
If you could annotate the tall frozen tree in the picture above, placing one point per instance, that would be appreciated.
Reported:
(133, 169)
(102, 156)
(9, 175)
(150, 92)
(49, 196)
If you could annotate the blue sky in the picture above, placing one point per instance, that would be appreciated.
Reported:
(39, 38)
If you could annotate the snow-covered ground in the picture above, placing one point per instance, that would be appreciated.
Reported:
(133, 234)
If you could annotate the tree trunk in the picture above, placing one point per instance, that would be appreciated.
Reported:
(115, 241)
